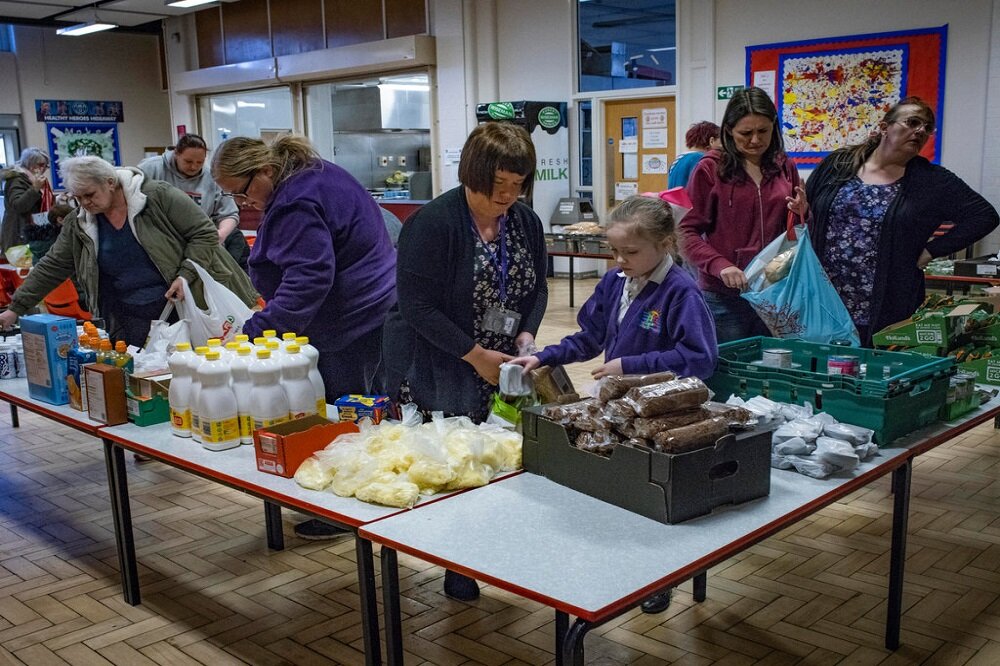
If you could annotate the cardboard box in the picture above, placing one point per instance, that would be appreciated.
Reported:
(281, 448)
(978, 267)
(935, 328)
(987, 370)
(76, 360)
(106, 393)
(47, 340)
(355, 407)
(668, 488)
(149, 384)
(147, 410)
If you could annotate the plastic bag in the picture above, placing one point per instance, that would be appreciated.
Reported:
(804, 304)
(612, 387)
(514, 382)
(163, 336)
(223, 317)
(19, 256)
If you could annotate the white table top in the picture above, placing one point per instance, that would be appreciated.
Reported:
(591, 559)
(16, 391)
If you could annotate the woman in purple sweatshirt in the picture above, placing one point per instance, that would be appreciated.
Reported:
(741, 195)
(646, 317)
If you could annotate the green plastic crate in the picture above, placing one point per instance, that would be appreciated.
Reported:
(892, 402)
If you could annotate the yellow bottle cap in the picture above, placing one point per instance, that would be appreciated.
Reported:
(105, 345)
(242, 337)
(121, 347)
(182, 346)
(288, 336)
(270, 333)
(212, 355)
(292, 349)
(302, 340)
(201, 350)
(260, 341)
(244, 350)
(273, 344)
(232, 346)
(263, 353)
(214, 342)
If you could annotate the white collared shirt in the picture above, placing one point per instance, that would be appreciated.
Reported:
(635, 285)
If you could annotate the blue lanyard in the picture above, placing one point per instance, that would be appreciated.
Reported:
(499, 264)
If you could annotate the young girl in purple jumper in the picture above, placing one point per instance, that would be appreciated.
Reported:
(647, 316)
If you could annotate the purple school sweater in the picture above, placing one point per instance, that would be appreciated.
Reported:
(667, 327)
(322, 261)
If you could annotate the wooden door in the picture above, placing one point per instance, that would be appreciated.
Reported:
(649, 124)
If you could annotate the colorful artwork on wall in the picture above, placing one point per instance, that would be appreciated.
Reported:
(833, 92)
(75, 139)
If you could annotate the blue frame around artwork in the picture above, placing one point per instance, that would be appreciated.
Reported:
(94, 135)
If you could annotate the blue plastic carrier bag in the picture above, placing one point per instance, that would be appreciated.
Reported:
(803, 304)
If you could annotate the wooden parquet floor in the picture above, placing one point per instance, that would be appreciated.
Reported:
(213, 594)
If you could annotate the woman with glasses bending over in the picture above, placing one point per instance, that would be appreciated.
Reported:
(128, 246)
(741, 194)
(875, 207)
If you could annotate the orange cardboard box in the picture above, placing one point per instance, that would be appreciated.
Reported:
(281, 448)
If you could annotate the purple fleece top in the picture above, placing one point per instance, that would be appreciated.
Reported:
(667, 327)
(322, 260)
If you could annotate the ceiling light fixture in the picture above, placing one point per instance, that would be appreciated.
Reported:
(185, 4)
(85, 28)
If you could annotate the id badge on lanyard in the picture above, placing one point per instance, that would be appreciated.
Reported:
(499, 319)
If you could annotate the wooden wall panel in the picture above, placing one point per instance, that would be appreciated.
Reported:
(353, 22)
(208, 25)
(247, 32)
(297, 26)
(405, 17)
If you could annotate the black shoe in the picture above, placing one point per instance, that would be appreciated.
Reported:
(319, 530)
(657, 603)
(462, 588)
(139, 458)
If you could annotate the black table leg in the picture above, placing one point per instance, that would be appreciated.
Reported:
(272, 526)
(17, 423)
(900, 518)
(573, 644)
(571, 278)
(369, 604)
(700, 584)
(114, 457)
(562, 627)
(390, 607)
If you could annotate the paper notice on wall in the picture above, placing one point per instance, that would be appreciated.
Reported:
(452, 156)
(630, 166)
(765, 81)
(654, 138)
(652, 118)
(628, 145)
(654, 164)
(625, 190)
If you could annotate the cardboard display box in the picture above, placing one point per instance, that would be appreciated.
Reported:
(147, 410)
(149, 384)
(106, 393)
(668, 488)
(355, 407)
(47, 341)
(935, 329)
(281, 448)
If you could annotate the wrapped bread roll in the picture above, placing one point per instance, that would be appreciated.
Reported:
(690, 437)
(647, 428)
(601, 442)
(616, 386)
(667, 397)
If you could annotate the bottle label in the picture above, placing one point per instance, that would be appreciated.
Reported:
(222, 430)
(264, 423)
(246, 426)
(181, 420)
(321, 407)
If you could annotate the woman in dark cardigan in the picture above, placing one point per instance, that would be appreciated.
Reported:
(470, 279)
(875, 207)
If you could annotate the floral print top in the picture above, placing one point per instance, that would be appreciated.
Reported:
(521, 282)
(852, 239)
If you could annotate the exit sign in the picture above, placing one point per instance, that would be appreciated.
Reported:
(727, 92)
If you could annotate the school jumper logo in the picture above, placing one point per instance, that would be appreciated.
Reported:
(650, 320)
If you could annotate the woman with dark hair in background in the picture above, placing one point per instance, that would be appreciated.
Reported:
(875, 207)
(700, 138)
(741, 195)
(472, 291)
(183, 167)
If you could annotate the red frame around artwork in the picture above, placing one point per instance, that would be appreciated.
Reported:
(924, 74)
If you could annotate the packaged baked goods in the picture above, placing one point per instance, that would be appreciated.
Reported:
(666, 397)
(601, 442)
(638, 443)
(618, 413)
(647, 428)
(573, 412)
(612, 387)
(552, 384)
(691, 437)
(737, 416)
(778, 267)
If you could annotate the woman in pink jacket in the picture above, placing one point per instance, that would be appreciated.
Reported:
(741, 195)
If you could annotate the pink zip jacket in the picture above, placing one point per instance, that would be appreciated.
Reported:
(732, 221)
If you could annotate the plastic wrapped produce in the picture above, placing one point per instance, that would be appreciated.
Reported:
(568, 414)
(471, 474)
(672, 396)
(601, 442)
(397, 493)
(690, 437)
(613, 387)
(430, 475)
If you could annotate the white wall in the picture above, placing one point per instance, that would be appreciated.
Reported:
(104, 66)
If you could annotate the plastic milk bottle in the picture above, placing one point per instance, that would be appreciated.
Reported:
(218, 413)
(298, 388)
(268, 403)
(315, 378)
(242, 385)
(179, 393)
(196, 391)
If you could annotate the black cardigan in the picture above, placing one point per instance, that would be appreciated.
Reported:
(930, 195)
(431, 327)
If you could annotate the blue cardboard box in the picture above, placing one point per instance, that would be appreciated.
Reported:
(47, 340)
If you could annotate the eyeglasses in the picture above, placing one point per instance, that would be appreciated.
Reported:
(241, 197)
(915, 123)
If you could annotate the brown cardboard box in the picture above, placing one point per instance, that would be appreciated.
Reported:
(281, 448)
(106, 393)
(149, 384)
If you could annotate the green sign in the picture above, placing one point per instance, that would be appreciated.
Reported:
(549, 117)
(500, 110)
(727, 92)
